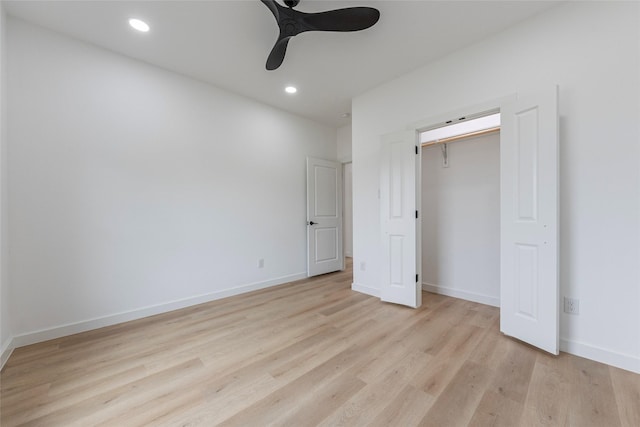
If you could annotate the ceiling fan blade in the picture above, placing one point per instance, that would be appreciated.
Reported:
(273, 7)
(347, 19)
(277, 53)
(292, 22)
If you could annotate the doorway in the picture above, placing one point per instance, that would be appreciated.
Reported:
(460, 221)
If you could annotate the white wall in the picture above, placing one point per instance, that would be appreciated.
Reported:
(461, 219)
(343, 136)
(591, 49)
(5, 330)
(135, 190)
(343, 142)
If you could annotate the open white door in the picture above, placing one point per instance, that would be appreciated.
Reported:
(324, 217)
(399, 193)
(529, 220)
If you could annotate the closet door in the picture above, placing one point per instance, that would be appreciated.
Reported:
(399, 196)
(529, 219)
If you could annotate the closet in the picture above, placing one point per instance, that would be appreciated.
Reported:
(460, 213)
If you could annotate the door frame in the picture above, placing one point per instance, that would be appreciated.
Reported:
(472, 111)
(344, 204)
(440, 120)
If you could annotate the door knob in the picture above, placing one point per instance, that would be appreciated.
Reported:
(312, 223)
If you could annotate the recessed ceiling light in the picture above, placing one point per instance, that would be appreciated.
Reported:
(290, 89)
(139, 25)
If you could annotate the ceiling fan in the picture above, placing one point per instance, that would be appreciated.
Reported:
(291, 23)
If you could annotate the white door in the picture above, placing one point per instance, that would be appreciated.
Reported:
(399, 193)
(529, 220)
(324, 217)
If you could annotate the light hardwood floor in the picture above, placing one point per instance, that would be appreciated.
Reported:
(308, 353)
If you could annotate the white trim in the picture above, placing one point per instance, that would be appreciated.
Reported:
(6, 351)
(466, 295)
(602, 355)
(476, 110)
(598, 354)
(112, 319)
(374, 292)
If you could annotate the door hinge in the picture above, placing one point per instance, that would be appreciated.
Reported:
(416, 278)
(416, 214)
(416, 149)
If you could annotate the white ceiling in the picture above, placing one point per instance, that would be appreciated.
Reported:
(226, 43)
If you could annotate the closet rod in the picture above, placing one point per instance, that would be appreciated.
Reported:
(457, 137)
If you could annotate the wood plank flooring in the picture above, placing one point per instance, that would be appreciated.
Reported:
(309, 353)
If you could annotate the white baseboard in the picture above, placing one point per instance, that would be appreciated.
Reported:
(374, 292)
(99, 322)
(619, 360)
(5, 351)
(457, 293)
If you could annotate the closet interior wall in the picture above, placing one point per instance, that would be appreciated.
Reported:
(461, 219)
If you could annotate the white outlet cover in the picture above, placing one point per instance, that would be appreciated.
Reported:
(571, 305)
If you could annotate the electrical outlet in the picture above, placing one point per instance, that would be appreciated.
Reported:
(571, 305)
(261, 263)
(363, 266)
